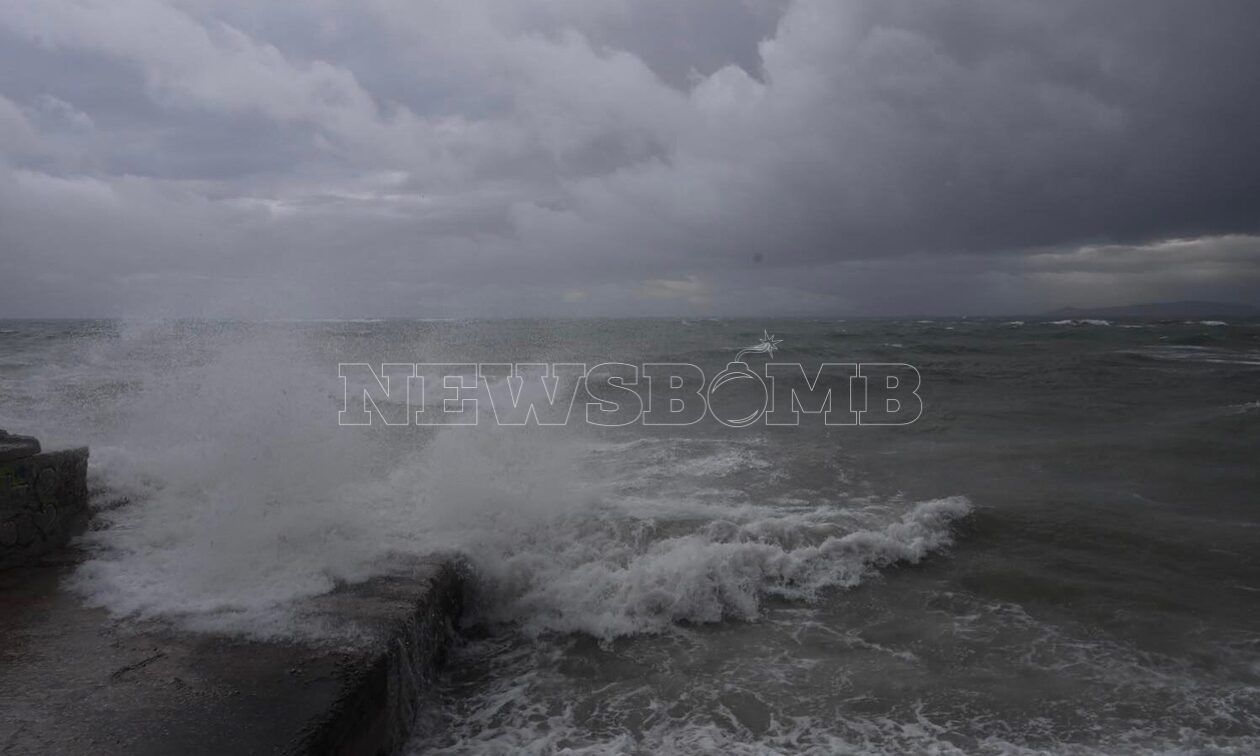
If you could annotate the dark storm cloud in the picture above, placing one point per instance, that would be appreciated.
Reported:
(609, 156)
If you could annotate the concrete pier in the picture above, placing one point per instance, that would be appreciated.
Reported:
(72, 681)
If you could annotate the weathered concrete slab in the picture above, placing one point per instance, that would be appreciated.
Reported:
(74, 682)
(43, 501)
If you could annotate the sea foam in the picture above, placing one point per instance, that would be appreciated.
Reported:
(247, 497)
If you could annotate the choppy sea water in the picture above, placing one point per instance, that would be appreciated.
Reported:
(1060, 556)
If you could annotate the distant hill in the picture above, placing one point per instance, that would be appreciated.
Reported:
(1169, 310)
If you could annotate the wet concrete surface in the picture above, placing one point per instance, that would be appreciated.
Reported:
(75, 681)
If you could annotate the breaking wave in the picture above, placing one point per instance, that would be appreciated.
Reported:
(246, 497)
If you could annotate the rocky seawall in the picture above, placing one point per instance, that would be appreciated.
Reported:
(43, 498)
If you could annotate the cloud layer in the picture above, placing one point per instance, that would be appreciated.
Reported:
(571, 157)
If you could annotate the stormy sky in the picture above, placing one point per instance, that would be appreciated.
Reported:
(229, 158)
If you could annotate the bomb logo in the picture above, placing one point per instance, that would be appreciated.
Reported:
(737, 396)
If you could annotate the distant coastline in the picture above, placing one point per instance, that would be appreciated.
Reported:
(1172, 310)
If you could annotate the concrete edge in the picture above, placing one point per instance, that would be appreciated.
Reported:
(377, 708)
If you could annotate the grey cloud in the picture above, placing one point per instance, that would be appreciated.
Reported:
(604, 156)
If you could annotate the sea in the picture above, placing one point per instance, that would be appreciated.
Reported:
(1060, 555)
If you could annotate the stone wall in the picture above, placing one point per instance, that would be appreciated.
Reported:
(43, 501)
